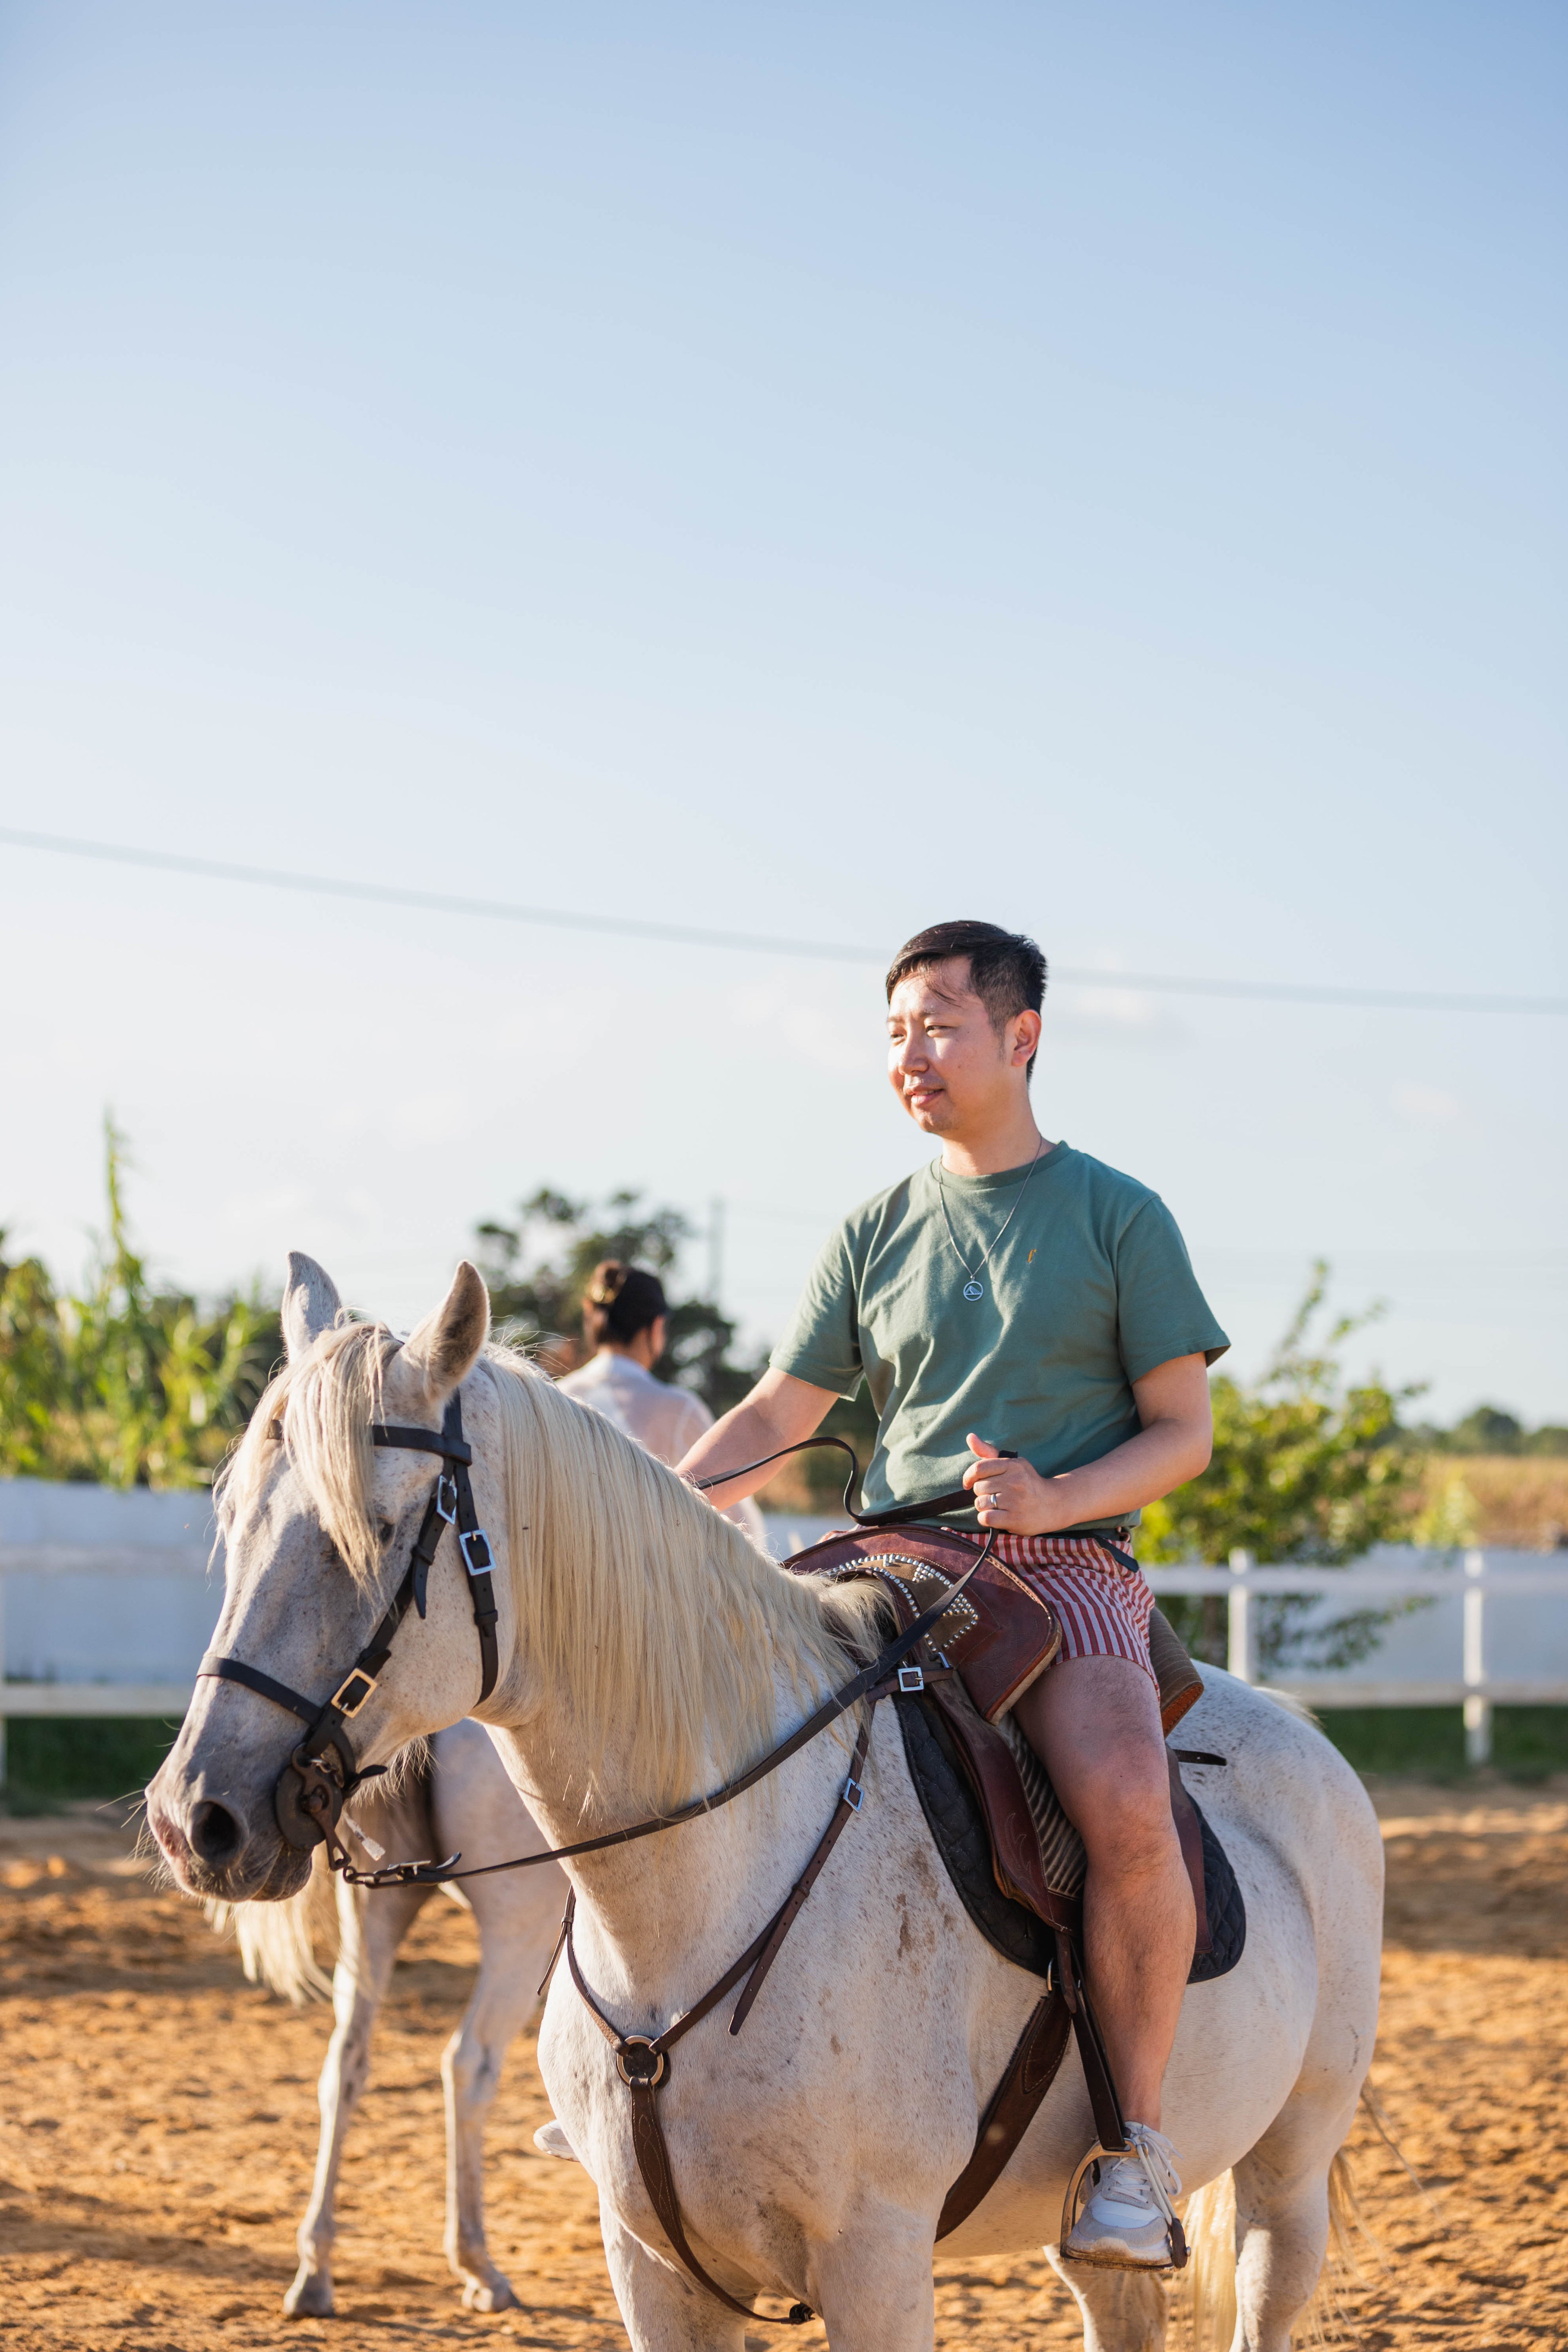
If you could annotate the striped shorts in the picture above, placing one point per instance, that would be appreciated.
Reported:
(1102, 1607)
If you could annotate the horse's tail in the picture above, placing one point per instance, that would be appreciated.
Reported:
(1211, 2256)
(1211, 2263)
(277, 1940)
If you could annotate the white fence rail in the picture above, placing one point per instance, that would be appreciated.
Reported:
(1478, 1581)
(107, 1601)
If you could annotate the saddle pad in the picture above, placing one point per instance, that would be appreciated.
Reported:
(954, 1815)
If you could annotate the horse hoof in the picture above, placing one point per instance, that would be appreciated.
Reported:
(493, 2293)
(310, 2297)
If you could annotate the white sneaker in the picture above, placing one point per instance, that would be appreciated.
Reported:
(551, 2139)
(1126, 2224)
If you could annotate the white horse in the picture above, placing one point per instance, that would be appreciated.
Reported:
(648, 1651)
(459, 1801)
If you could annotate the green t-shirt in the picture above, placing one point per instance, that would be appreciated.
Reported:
(1090, 1287)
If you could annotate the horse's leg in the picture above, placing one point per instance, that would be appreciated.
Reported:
(503, 1999)
(370, 1930)
(1282, 2218)
(1123, 2311)
(477, 1811)
(661, 2308)
(873, 2280)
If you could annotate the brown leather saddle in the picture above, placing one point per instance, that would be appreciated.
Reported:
(999, 1637)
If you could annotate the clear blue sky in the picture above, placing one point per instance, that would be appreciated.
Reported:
(813, 470)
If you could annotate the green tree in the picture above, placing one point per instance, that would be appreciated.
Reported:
(127, 1384)
(1485, 1430)
(1304, 1469)
(537, 1270)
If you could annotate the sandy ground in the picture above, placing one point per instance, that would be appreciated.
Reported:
(159, 2123)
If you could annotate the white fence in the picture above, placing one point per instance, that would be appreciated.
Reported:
(107, 1599)
(1480, 1578)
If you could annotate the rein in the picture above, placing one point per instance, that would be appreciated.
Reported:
(898, 1515)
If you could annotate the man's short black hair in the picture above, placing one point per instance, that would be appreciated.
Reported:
(1006, 969)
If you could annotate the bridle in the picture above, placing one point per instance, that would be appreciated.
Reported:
(323, 1772)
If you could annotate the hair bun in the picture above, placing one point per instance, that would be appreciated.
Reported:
(620, 1301)
(608, 1281)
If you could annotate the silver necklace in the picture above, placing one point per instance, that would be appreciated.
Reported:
(974, 1287)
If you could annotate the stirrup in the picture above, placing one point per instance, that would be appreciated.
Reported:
(1175, 2236)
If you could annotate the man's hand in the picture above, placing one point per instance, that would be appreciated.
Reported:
(1012, 1495)
(1172, 1447)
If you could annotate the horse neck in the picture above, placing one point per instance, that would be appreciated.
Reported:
(651, 1911)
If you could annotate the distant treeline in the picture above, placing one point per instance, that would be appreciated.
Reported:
(1488, 1430)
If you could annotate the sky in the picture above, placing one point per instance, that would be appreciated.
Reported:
(803, 472)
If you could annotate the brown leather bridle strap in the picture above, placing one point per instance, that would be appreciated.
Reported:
(643, 2064)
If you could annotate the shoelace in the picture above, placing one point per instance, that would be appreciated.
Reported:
(1157, 2158)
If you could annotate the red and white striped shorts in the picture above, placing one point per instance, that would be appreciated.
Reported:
(1102, 1607)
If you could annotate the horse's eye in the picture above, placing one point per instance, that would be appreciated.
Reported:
(385, 1530)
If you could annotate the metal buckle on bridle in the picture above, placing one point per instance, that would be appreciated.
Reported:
(640, 2077)
(447, 1499)
(467, 1539)
(912, 1678)
(350, 1706)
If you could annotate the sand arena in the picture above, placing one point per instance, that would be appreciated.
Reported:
(160, 2124)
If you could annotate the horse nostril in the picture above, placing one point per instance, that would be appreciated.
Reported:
(215, 1834)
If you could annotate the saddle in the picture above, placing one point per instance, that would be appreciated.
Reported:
(999, 1637)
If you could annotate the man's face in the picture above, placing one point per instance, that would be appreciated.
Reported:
(949, 1068)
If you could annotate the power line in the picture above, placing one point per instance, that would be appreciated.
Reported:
(749, 943)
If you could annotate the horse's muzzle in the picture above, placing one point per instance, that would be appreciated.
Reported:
(215, 1852)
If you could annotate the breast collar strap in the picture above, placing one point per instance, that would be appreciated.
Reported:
(324, 1762)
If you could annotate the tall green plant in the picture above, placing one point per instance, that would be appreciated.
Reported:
(126, 1383)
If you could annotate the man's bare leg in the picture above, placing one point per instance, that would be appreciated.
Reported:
(1094, 1723)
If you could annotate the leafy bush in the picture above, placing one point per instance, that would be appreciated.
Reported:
(1304, 1469)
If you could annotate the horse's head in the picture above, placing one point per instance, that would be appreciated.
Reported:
(318, 1526)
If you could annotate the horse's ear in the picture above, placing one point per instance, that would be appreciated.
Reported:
(442, 1351)
(311, 1305)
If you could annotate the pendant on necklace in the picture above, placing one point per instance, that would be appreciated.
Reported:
(975, 1290)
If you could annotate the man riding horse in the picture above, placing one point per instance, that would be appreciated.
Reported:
(1028, 1324)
